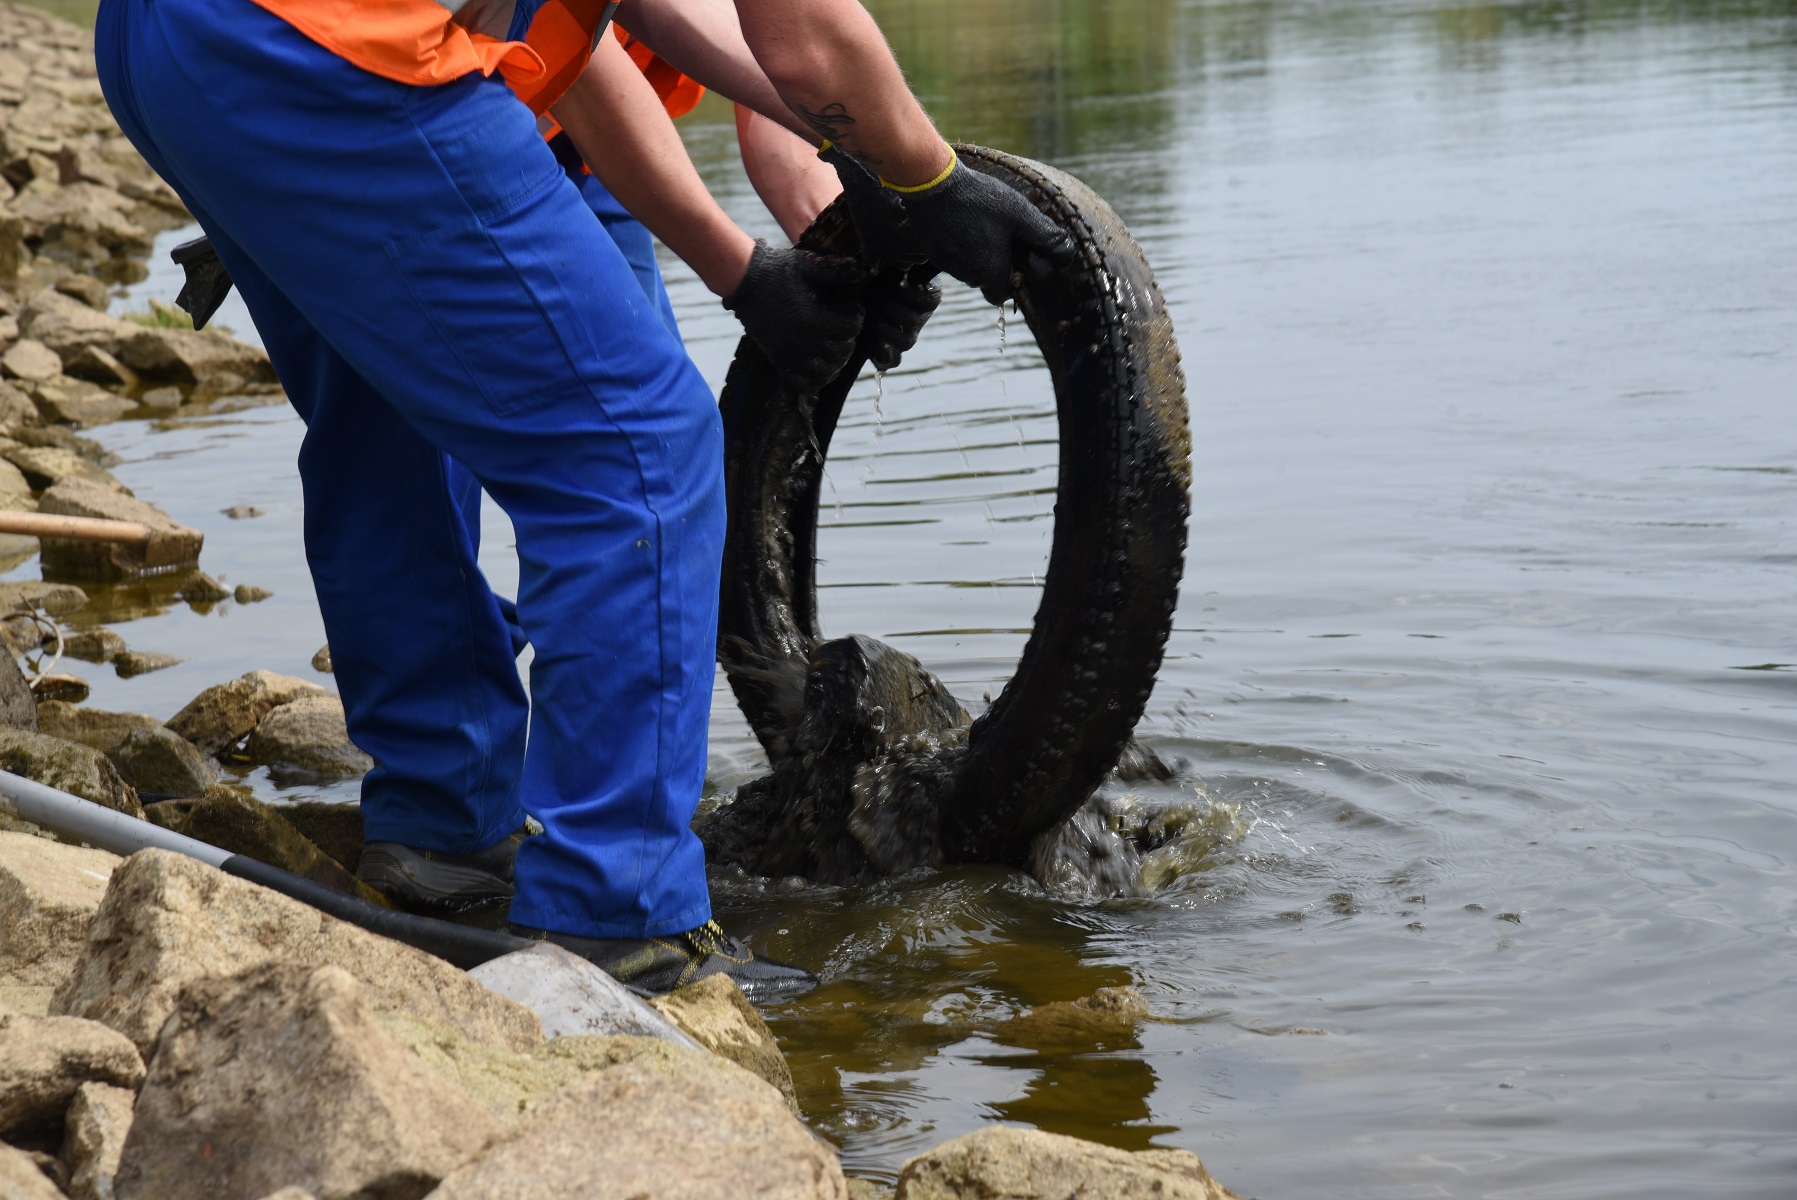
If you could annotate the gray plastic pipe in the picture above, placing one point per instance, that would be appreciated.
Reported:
(72, 817)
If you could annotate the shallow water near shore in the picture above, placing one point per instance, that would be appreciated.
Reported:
(1483, 674)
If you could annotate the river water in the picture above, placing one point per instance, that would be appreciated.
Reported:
(1482, 681)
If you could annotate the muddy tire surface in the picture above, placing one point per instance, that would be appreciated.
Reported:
(1119, 538)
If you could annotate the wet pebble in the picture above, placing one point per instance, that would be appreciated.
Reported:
(245, 594)
(322, 660)
(237, 512)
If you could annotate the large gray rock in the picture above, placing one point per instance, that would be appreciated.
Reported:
(219, 717)
(715, 1013)
(285, 1077)
(1026, 1164)
(68, 767)
(104, 731)
(20, 1178)
(571, 996)
(161, 761)
(167, 921)
(632, 1131)
(18, 707)
(171, 543)
(49, 893)
(94, 1131)
(307, 737)
(45, 1060)
(189, 356)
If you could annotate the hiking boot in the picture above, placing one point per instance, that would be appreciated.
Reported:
(428, 879)
(658, 965)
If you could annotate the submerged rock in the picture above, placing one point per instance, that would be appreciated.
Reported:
(69, 767)
(201, 588)
(1107, 1015)
(132, 663)
(284, 1077)
(171, 543)
(230, 820)
(715, 1013)
(71, 688)
(93, 645)
(1026, 1164)
(94, 1132)
(160, 761)
(167, 921)
(224, 714)
(49, 893)
(104, 731)
(308, 737)
(45, 1060)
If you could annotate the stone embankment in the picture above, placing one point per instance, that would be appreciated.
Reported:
(168, 1030)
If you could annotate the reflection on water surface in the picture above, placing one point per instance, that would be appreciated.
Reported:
(1481, 676)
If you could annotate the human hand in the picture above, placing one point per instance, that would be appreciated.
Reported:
(897, 302)
(979, 230)
(800, 308)
(877, 212)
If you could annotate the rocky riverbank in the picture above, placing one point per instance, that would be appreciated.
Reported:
(169, 1030)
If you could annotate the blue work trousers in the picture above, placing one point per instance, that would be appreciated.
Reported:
(433, 291)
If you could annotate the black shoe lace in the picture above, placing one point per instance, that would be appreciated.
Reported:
(708, 939)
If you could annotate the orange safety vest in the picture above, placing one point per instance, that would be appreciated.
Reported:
(418, 42)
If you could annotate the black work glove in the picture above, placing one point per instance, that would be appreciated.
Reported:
(876, 210)
(981, 231)
(897, 301)
(801, 310)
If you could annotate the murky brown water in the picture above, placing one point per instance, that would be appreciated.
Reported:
(1482, 671)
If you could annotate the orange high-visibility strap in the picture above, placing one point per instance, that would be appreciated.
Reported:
(680, 94)
(416, 42)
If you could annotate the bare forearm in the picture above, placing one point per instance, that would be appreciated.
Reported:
(702, 39)
(790, 179)
(617, 123)
(831, 65)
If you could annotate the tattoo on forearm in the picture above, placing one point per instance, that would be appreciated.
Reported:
(832, 121)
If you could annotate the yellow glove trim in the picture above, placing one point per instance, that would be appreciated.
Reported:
(924, 187)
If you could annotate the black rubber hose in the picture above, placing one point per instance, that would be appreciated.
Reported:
(465, 946)
(1119, 541)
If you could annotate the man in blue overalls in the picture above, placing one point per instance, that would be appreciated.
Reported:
(433, 291)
